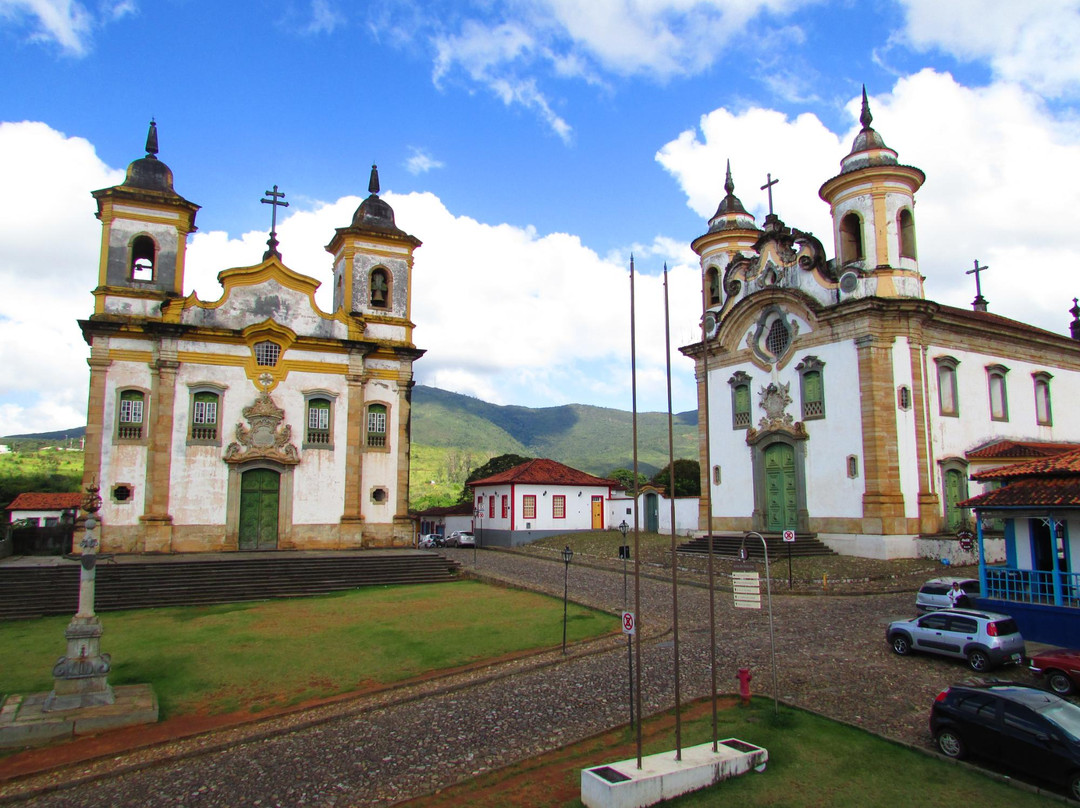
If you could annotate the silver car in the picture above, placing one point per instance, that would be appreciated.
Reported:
(984, 639)
(934, 594)
(466, 539)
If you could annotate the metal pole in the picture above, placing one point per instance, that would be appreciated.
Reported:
(772, 636)
(637, 494)
(624, 551)
(671, 500)
(789, 564)
(708, 525)
(566, 577)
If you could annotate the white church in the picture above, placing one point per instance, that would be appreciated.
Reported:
(840, 402)
(255, 421)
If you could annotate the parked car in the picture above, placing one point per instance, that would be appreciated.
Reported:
(1060, 669)
(985, 639)
(431, 540)
(934, 594)
(466, 539)
(1022, 727)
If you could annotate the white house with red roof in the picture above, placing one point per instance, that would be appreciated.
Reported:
(540, 498)
(43, 509)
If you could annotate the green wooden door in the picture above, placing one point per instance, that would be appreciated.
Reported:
(780, 499)
(652, 513)
(954, 492)
(259, 509)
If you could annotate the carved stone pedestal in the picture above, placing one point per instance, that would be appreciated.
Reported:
(80, 679)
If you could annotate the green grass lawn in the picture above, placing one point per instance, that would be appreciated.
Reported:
(253, 656)
(812, 762)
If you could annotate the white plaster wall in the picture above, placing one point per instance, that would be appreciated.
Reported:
(270, 300)
(686, 514)
(132, 306)
(319, 478)
(379, 467)
(384, 331)
(124, 463)
(953, 436)
(578, 508)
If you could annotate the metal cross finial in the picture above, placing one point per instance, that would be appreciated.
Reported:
(769, 183)
(275, 199)
(980, 302)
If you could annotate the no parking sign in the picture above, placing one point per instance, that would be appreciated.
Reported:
(629, 626)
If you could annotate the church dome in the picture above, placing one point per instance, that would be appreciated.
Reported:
(374, 213)
(869, 148)
(149, 173)
(730, 213)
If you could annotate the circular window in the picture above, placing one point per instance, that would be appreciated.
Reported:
(378, 495)
(121, 493)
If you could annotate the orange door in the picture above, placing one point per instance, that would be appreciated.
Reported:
(597, 513)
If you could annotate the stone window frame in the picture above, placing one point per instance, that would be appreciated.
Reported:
(380, 494)
(905, 229)
(389, 277)
(851, 239)
(713, 293)
(997, 387)
(812, 408)
(374, 441)
(319, 437)
(197, 432)
(947, 367)
(122, 434)
(267, 353)
(759, 340)
(741, 417)
(903, 397)
(1044, 411)
(119, 500)
(142, 247)
(852, 466)
(528, 506)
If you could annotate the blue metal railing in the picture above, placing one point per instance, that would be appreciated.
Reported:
(1032, 586)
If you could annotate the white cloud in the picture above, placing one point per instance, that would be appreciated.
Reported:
(48, 266)
(1003, 184)
(1036, 43)
(420, 162)
(324, 18)
(66, 23)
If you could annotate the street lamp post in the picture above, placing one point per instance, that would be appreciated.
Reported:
(624, 551)
(479, 514)
(567, 555)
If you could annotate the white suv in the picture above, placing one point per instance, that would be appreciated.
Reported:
(984, 639)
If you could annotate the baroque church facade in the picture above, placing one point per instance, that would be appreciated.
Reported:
(255, 421)
(840, 402)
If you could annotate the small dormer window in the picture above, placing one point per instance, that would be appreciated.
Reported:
(267, 354)
(143, 253)
(380, 289)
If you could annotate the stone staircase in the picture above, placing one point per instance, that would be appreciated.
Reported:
(30, 591)
(805, 544)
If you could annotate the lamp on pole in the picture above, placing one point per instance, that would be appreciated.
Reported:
(479, 514)
(567, 555)
(624, 554)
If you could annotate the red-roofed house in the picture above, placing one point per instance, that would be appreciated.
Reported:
(1039, 505)
(540, 498)
(42, 510)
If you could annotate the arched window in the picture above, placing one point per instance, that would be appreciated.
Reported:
(903, 397)
(376, 426)
(812, 382)
(740, 400)
(999, 402)
(204, 426)
(131, 415)
(267, 353)
(712, 286)
(946, 377)
(851, 240)
(380, 288)
(906, 226)
(1043, 414)
(318, 423)
(143, 255)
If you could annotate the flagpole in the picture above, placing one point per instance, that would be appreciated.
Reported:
(708, 518)
(637, 535)
(671, 500)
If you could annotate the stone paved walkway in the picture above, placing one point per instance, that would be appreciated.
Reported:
(831, 657)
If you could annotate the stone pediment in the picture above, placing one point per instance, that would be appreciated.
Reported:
(780, 255)
(264, 438)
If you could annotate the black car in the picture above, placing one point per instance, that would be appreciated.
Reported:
(1024, 728)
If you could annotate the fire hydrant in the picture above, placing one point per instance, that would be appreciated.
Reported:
(744, 676)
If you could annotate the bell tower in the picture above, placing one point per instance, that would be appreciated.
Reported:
(373, 260)
(145, 225)
(872, 201)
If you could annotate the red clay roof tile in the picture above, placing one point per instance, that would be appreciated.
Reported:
(33, 501)
(544, 472)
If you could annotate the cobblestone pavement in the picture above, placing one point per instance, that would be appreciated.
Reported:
(831, 658)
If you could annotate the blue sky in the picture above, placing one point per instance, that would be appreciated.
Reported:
(532, 145)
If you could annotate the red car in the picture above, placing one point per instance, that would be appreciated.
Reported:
(1060, 668)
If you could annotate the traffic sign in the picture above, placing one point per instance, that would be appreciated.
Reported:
(746, 586)
(629, 626)
(789, 535)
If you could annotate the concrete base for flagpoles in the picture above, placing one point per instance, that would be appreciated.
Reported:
(662, 777)
(25, 720)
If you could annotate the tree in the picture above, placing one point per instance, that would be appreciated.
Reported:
(625, 478)
(494, 466)
(687, 478)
